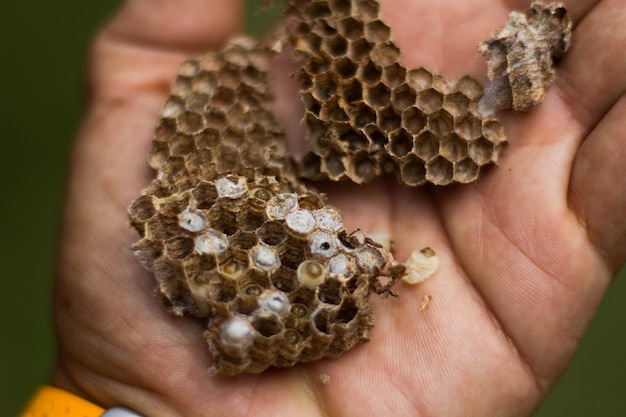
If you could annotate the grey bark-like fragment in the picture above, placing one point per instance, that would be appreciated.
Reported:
(521, 56)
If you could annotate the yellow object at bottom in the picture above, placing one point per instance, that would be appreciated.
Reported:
(54, 402)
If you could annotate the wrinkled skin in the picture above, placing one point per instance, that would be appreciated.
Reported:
(527, 251)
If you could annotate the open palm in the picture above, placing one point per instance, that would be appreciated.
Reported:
(527, 251)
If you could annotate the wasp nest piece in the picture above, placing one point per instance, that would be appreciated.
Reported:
(521, 56)
(232, 237)
(367, 115)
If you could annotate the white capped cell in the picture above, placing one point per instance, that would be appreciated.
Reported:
(369, 258)
(301, 221)
(328, 218)
(192, 220)
(273, 301)
(341, 265)
(211, 242)
(279, 206)
(323, 243)
(264, 257)
(231, 186)
(237, 332)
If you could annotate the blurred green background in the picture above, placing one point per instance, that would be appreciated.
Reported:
(43, 48)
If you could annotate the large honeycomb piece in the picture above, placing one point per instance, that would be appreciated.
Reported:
(232, 237)
(367, 115)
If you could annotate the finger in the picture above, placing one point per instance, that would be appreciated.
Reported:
(189, 25)
(591, 75)
(598, 183)
(144, 44)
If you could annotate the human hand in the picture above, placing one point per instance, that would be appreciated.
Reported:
(527, 251)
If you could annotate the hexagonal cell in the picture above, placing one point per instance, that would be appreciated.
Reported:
(332, 111)
(440, 123)
(369, 73)
(429, 100)
(253, 77)
(322, 243)
(316, 66)
(414, 120)
(456, 104)
(340, 7)
(158, 154)
(400, 143)
(470, 88)
(443, 84)
(387, 164)
(300, 222)
(468, 127)
(181, 145)
(250, 219)
(179, 247)
(223, 98)
(344, 67)
(181, 87)
(142, 209)
(377, 96)
(310, 201)
(385, 54)
(272, 233)
(364, 167)
(377, 32)
(466, 171)
(335, 46)
(204, 83)
(481, 151)
(205, 195)
(319, 10)
(189, 68)
(351, 28)
(311, 165)
(403, 97)
(375, 136)
(352, 138)
(229, 158)
(284, 279)
(493, 130)
(215, 119)
(420, 79)
(453, 148)
(174, 167)
(413, 171)
(362, 115)
(229, 77)
(324, 86)
(366, 10)
(426, 146)
(394, 75)
(359, 49)
(389, 119)
(244, 239)
(173, 107)
(351, 91)
(439, 171)
(334, 166)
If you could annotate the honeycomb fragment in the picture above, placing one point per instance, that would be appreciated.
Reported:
(368, 115)
(521, 55)
(233, 237)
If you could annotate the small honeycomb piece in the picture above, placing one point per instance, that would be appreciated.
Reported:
(232, 236)
(521, 55)
(367, 115)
